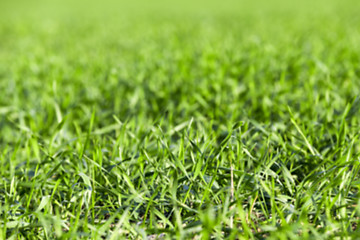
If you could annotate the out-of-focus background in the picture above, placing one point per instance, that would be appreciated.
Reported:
(84, 41)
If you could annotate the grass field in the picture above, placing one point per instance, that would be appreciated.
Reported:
(161, 120)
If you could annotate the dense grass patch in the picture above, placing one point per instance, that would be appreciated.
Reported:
(182, 121)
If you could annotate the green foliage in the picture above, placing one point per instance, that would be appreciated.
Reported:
(236, 121)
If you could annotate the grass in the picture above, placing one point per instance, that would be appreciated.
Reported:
(179, 121)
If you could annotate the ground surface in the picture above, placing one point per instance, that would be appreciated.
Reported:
(169, 120)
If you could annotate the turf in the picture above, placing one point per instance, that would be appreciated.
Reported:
(179, 121)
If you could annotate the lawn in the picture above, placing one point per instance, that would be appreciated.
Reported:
(169, 120)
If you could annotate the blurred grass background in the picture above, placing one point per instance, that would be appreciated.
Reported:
(50, 9)
(78, 45)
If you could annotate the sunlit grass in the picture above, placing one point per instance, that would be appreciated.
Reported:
(177, 121)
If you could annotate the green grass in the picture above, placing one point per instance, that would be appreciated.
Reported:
(179, 121)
